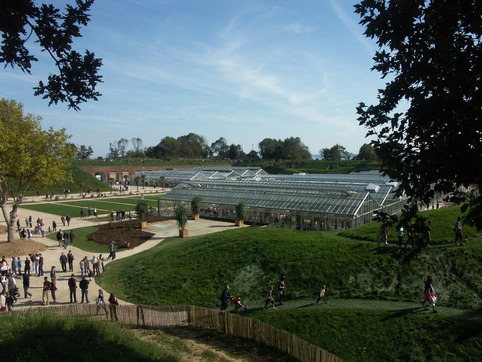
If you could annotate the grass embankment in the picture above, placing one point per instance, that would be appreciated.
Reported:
(194, 270)
(50, 338)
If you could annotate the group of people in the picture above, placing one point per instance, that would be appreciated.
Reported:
(39, 228)
(430, 296)
(410, 230)
(64, 238)
(10, 291)
(268, 299)
(30, 229)
(97, 264)
(89, 212)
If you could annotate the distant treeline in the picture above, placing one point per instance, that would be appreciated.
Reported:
(193, 146)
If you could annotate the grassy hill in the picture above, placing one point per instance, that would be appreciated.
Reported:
(374, 292)
(194, 270)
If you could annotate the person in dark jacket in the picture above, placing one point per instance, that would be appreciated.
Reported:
(84, 288)
(225, 298)
(73, 289)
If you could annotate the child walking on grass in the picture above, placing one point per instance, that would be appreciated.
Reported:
(269, 298)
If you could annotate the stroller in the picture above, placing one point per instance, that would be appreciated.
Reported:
(238, 304)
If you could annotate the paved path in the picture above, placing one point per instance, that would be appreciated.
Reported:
(161, 230)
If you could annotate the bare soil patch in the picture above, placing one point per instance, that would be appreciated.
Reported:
(20, 248)
(122, 232)
(197, 344)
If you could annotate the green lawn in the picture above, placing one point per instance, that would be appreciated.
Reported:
(104, 206)
(81, 241)
(52, 337)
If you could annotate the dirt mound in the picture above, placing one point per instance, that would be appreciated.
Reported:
(20, 248)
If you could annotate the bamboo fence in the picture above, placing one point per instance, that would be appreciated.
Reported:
(191, 316)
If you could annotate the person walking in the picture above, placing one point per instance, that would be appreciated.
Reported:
(63, 261)
(225, 298)
(53, 289)
(282, 290)
(410, 236)
(269, 298)
(70, 260)
(45, 291)
(53, 273)
(111, 251)
(84, 288)
(72, 288)
(383, 234)
(72, 237)
(429, 294)
(458, 232)
(100, 302)
(27, 266)
(400, 236)
(59, 236)
(26, 285)
(19, 266)
(113, 303)
(101, 263)
(95, 266)
(82, 267)
(322, 295)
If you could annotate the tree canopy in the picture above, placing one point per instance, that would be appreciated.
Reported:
(288, 149)
(29, 157)
(77, 75)
(335, 153)
(427, 121)
(366, 152)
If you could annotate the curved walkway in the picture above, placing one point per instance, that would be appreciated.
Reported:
(161, 231)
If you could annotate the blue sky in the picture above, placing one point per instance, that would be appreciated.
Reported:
(244, 70)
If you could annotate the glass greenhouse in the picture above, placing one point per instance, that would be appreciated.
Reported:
(302, 201)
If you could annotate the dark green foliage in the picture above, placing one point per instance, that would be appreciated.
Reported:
(291, 149)
(50, 337)
(142, 209)
(382, 335)
(54, 31)
(196, 205)
(240, 211)
(428, 119)
(181, 216)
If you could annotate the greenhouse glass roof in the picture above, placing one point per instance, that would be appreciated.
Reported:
(320, 193)
(269, 197)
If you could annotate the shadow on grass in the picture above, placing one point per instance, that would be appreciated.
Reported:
(406, 312)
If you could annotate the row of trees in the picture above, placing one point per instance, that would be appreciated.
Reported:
(193, 146)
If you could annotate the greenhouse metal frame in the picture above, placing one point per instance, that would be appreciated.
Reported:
(306, 202)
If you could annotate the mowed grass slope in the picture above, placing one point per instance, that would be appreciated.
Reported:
(374, 293)
(194, 270)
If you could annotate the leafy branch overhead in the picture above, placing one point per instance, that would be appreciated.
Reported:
(427, 121)
(77, 75)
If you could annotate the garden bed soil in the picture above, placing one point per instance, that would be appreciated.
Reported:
(124, 234)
